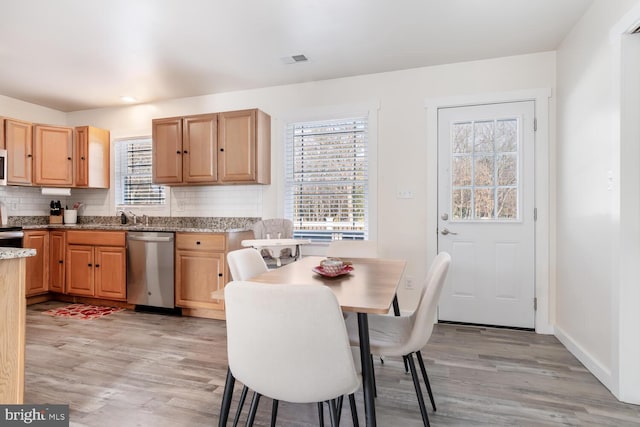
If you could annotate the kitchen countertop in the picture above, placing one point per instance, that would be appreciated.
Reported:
(131, 227)
(167, 224)
(13, 253)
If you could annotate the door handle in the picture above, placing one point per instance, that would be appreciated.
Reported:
(445, 231)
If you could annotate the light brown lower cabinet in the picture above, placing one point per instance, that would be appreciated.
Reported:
(201, 268)
(37, 277)
(56, 261)
(96, 264)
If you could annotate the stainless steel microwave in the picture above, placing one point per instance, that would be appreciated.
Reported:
(3, 167)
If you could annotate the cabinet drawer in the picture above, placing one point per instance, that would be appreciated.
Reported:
(200, 241)
(96, 238)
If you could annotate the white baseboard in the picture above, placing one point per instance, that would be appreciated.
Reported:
(596, 368)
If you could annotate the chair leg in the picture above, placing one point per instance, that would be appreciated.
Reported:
(321, 414)
(426, 379)
(243, 396)
(373, 376)
(333, 413)
(274, 412)
(339, 409)
(254, 409)
(354, 411)
(226, 399)
(416, 384)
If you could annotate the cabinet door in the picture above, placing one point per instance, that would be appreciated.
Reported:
(91, 157)
(37, 281)
(2, 144)
(53, 150)
(167, 151)
(19, 152)
(81, 178)
(79, 270)
(237, 146)
(199, 148)
(198, 274)
(56, 261)
(110, 273)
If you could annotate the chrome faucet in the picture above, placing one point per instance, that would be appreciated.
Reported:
(146, 219)
(134, 216)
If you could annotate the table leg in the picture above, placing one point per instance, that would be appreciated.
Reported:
(367, 370)
(226, 399)
(396, 306)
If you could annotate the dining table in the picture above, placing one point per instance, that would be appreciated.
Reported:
(368, 287)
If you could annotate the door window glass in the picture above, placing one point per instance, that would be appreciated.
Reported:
(484, 170)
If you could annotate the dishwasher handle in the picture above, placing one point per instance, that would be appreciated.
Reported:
(151, 239)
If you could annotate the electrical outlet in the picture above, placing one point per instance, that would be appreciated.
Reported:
(409, 283)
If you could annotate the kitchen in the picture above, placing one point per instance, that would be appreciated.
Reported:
(395, 101)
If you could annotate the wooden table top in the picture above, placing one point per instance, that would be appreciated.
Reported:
(369, 288)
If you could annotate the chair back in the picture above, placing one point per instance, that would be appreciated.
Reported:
(274, 228)
(288, 342)
(422, 318)
(245, 264)
(353, 249)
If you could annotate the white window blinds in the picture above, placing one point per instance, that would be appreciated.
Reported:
(133, 174)
(327, 183)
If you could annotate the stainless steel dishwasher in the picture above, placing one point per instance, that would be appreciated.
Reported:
(150, 269)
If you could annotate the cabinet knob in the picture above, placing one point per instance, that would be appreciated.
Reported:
(198, 242)
(97, 265)
(222, 149)
(68, 158)
(89, 265)
(185, 151)
(29, 155)
(60, 262)
(178, 152)
(219, 274)
(82, 157)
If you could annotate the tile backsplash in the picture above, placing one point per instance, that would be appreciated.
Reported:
(196, 201)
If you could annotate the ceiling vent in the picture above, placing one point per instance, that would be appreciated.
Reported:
(293, 59)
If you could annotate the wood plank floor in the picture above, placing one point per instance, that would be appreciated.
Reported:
(142, 369)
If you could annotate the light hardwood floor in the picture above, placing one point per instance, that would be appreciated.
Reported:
(141, 369)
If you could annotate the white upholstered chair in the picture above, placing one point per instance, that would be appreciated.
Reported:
(406, 335)
(245, 264)
(289, 342)
(353, 249)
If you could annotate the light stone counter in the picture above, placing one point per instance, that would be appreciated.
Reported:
(13, 253)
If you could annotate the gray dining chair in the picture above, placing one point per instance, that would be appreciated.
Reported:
(289, 343)
(407, 335)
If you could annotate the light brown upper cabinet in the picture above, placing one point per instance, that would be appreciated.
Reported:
(2, 144)
(92, 153)
(244, 141)
(19, 151)
(184, 150)
(53, 155)
(224, 148)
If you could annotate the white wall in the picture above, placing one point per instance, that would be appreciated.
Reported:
(588, 191)
(402, 135)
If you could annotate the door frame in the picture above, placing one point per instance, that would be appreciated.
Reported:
(542, 195)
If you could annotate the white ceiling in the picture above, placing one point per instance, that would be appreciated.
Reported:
(79, 54)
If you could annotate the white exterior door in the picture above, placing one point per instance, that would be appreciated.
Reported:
(486, 213)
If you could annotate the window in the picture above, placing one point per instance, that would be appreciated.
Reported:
(484, 172)
(133, 174)
(327, 179)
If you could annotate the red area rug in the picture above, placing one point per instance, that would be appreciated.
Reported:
(82, 311)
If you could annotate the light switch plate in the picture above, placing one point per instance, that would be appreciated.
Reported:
(405, 194)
